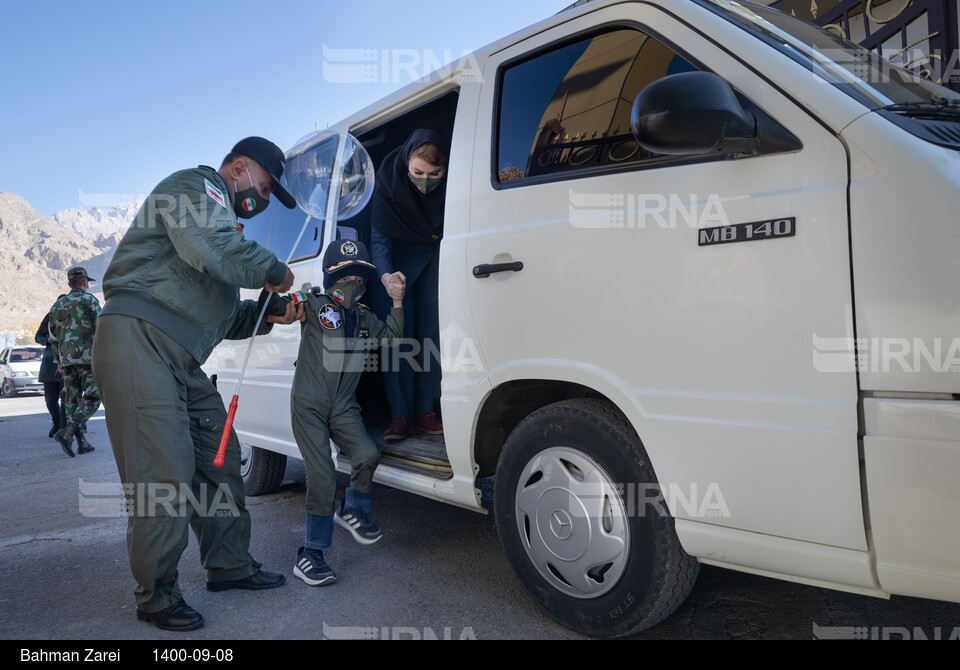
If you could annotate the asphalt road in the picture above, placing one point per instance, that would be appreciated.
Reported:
(439, 571)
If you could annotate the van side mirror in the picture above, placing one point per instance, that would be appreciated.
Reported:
(692, 114)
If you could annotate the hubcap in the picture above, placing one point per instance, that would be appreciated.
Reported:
(561, 524)
(246, 459)
(572, 522)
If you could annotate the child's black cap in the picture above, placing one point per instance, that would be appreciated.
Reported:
(346, 259)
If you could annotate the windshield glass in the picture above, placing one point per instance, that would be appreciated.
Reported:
(861, 73)
(25, 355)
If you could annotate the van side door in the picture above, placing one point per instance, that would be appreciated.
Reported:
(694, 293)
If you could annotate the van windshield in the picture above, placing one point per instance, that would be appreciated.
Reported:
(863, 74)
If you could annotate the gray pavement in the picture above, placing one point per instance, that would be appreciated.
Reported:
(439, 572)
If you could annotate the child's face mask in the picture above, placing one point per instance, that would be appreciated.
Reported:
(347, 292)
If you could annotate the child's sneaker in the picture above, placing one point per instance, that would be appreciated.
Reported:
(364, 529)
(312, 569)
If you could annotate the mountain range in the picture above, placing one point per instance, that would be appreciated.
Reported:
(36, 252)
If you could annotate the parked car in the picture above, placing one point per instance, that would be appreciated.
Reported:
(20, 369)
(696, 246)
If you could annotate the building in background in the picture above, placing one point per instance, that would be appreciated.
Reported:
(921, 35)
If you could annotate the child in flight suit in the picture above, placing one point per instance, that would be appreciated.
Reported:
(337, 337)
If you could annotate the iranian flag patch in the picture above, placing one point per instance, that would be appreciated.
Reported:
(215, 194)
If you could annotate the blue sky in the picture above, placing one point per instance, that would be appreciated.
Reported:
(106, 98)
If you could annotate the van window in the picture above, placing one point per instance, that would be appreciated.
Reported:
(285, 226)
(258, 228)
(277, 229)
(568, 110)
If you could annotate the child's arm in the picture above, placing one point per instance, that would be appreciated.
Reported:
(392, 328)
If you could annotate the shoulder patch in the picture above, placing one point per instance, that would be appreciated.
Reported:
(215, 194)
(299, 298)
(330, 317)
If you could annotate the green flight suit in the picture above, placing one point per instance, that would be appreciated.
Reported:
(323, 402)
(171, 296)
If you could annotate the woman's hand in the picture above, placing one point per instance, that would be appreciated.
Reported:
(395, 284)
(395, 278)
(396, 292)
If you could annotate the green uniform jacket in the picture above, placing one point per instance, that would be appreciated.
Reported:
(73, 323)
(183, 261)
(331, 361)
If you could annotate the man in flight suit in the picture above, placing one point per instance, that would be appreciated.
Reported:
(172, 294)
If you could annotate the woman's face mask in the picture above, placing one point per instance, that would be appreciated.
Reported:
(424, 176)
(426, 184)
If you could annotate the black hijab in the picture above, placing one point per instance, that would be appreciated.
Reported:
(400, 211)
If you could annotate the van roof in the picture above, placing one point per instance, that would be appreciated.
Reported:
(388, 106)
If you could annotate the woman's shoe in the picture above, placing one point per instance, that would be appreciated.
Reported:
(399, 429)
(429, 423)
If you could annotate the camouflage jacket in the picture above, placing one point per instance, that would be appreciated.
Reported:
(73, 322)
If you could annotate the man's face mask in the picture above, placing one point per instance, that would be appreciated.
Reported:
(426, 184)
(347, 292)
(247, 204)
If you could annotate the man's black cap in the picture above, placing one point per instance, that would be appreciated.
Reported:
(79, 273)
(271, 159)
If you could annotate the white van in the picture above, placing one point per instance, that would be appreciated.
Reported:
(693, 244)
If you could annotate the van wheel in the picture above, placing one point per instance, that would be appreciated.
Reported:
(262, 470)
(8, 389)
(585, 558)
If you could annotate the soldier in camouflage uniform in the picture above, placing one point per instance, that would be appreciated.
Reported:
(73, 322)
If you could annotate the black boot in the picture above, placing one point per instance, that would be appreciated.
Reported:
(178, 617)
(83, 447)
(65, 438)
(53, 430)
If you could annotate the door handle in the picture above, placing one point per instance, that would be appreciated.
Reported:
(484, 271)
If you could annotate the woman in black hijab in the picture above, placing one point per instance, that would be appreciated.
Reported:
(407, 229)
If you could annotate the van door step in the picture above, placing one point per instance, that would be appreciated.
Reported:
(424, 449)
(421, 453)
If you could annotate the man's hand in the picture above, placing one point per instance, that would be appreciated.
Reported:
(292, 314)
(285, 286)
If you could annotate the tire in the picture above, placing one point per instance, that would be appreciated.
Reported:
(8, 389)
(576, 548)
(262, 470)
